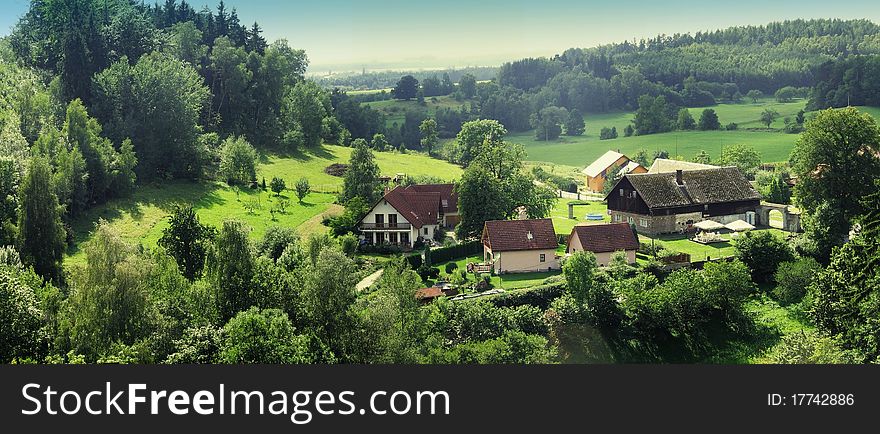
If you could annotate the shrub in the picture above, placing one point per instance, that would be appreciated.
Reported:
(277, 185)
(731, 126)
(451, 267)
(238, 161)
(762, 252)
(458, 251)
(793, 278)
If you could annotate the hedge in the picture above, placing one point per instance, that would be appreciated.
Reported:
(458, 251)
(539, 296)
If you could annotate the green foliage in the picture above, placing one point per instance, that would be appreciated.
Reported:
(41, 236)
(548, 122)
(467, 84)
(653, 115)
(110, 302)
(327, 295)
(809, 349)
(793, 278)
(197, 345)
(608, 133)
(263, 336)
(166, 96)
(709, 120)
(469, 141)
(230, 269)
(304, 109)
(768, 116)
(744, 157)
(592, 296)
(574, 125)
(406, 89)
(20, 314)
(362, 176)
(685, 120)
(836, 165)
(238, 161)
(428, 129)
(762, 252)
(187, 241)
(277, 185)
(276, 240)
(302, 188)
(786, 94)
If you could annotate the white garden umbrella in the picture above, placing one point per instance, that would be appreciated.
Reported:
(739, 226)
(708, 225)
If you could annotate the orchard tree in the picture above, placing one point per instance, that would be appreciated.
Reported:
(755, 95)
(41, 236)
(238, 161)
(302, 188)
(187, 240)
(277, 185)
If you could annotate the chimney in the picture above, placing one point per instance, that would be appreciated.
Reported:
(678, 177)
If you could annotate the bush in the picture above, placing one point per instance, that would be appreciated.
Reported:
(762, 252)
(451, 267)
(277, 185)
(793, 278)
(608, 133)
(733, 126)
(428, 273)
(458, 251)
(238, 161)
(539, 296)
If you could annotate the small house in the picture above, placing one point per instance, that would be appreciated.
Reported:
(520, 246)
(607, 165)
(604, 240)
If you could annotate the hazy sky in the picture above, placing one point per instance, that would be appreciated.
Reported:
(348, 34)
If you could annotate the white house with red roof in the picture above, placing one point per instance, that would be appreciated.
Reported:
(406, 214)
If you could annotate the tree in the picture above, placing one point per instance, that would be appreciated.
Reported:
(803, 348)
(467, 84)
(166, 97)
(685, 120)
(379, 142)
(470, 140)
(595, 298)
(230, 269)
(628, 131)
(762, 252)
(110, 301)
(574, 126)
(302, 188)
(755, 95)
(428, 129)
(768, 116)
(709, 120)
(238, 161)
(187, 240)
(327, 296)
(744, 157)
(778, 190)
(41, 236)
(406, 89)
(786, 94)
(608, 133)
(548, 122)
(836, 153)
(277, 185)
(20, 314)
(362, 177)
(263, 336)
(303, 111)
(702, 158)
(799, 119)
(652, 115)
(793, 278)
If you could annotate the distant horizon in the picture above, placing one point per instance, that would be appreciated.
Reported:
(348, 36)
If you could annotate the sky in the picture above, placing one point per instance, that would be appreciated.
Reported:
(354, 34)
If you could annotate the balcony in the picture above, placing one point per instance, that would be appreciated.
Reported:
(385, 226)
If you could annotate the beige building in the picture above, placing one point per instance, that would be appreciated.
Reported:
(607, 165)
(520, 246)
(603, 240)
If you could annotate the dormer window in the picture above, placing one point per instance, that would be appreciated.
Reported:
(621, 192)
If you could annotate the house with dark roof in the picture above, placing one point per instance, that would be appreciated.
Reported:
(658, 203)
(406, 214)
(607, 165)
(519, 246)
(603, 240)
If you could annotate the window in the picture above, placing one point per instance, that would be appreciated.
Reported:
(368, 237)
(404, 238)
(392, 237)
(543, 257)
(621, 192)
(392, 220)
(630, 219)
(643, 222)
(380, 220)
(426, 230)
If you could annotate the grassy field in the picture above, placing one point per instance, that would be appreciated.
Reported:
(395, 110)
(563, 224)
(507, 281)
(142, 217)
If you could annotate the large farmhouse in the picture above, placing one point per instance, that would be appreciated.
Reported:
(518, 246)
(405, 214)
(658, 203)
(605, 166)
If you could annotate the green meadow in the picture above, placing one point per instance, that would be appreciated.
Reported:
(395, 110)
(142, 217)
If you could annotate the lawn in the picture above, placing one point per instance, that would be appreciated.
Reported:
(506, 281)
(395, 110)
(142, 217)
(563, 224)
(701, 252)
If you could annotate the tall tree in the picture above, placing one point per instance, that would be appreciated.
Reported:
(428, 130)
(41, 236)
(574, 125)
(406, 89)
(187, 240)
(230, 269)
(362, 177)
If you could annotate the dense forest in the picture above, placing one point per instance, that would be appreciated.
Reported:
(101, 97)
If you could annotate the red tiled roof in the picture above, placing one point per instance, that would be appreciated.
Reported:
(508, 235)
(417, 208)
(610, 237)
(448, 198)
